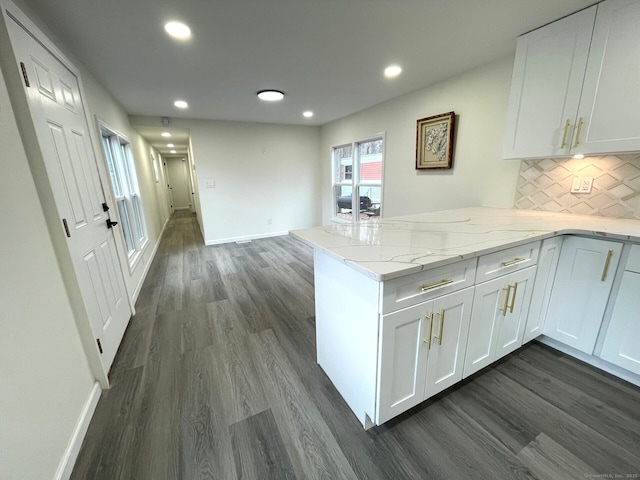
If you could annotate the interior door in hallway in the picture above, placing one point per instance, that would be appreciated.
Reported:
(61, 127)
(179, 183)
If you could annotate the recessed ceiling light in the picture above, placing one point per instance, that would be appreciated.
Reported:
(270, 95)
(178, 30)
(170, 145)
(392, 71)
(172, 151)
(307, 114)
(181, 104)
(165, 134)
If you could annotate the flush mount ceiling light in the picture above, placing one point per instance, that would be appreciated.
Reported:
(307, 114)
(181, 104)
(178, 30)
(270, 95)
(392, 71)
(170, 145)
(165, 134)
(173, 151)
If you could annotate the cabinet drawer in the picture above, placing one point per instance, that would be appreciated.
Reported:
(419, 287)
(506, 261)
(633, 263)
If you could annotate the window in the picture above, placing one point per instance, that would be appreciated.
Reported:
(357, 180)
(127, 193)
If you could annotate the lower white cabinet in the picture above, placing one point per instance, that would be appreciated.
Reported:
(622, 341)
(498, 318)
(422, 350)
(584, 277)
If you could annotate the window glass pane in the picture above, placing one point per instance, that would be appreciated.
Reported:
(115, 182)
(126, 168)
(370, 202)
(126, 226)
(343, 201)
(370, 158)
(137, 210)
(343, 163)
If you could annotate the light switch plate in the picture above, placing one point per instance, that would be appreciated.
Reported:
(582, 185)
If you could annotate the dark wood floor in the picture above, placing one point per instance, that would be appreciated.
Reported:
(216, 379)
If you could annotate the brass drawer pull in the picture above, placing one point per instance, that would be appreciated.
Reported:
(513, 299)
(606, 266)
(564, 135)
(441, 283)
(505, 307)
(512, 262)
(578, 132)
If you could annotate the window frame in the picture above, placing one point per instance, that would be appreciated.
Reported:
(356, 183)
(121, 166)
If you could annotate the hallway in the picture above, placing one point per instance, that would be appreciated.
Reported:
(216, 379)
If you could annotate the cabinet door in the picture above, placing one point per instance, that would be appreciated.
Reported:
(609, 107)
(545, 274)
(545, 89)
(448, 341)
(581, 290)
(512, 324)
(488, 301)
(622, 342)
(403, 359)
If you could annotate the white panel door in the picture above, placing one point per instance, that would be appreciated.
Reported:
(60, 121)
(622, 342)
(403, 359)
(546, 85)
(581, 290)
(610, 104)
(449, 340)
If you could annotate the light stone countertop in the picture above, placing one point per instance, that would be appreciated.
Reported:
(398, 246)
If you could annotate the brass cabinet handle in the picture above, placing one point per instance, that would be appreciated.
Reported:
(441, 283)
(439, 337)
(506, 300)
(580, 122)
(606, 266)
(428, 340)
(513, 299)
(564, 135)
(512, 262)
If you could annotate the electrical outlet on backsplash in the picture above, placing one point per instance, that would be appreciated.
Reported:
(545, 184)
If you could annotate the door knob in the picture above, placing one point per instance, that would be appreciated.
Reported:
(110, 223)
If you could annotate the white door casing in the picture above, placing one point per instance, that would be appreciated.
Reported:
(61, 127)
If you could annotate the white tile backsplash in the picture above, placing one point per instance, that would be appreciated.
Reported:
(545, 185)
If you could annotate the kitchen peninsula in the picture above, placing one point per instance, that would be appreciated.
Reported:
(408, 306)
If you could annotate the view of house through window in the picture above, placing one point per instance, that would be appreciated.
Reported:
(127, 193)
(357, 180)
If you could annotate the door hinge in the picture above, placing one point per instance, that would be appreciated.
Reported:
(66, 227)
(99, 345)
(24, 75)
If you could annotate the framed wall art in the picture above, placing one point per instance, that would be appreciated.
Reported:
(434, 141)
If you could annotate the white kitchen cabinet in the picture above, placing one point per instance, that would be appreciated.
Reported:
(545, 88)
(584, 277)
(542, 287)
(498, 318)
(574, 86)
(610, 103)
(621, 344)
(422, 350)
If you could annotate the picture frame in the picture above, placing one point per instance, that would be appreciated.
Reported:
(434, 141)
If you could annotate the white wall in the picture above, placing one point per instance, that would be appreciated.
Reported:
(44, 375)
(479, 175)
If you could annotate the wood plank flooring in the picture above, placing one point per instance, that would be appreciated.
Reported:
(216, 378)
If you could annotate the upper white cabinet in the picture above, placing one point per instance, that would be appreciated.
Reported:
(584, 277)
(546, 85)
(575, 85)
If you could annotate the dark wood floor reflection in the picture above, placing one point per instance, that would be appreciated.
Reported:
(216, 379)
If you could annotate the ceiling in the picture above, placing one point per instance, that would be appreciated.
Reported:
(328, 56)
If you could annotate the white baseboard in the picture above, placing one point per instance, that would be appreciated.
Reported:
(147, 266)
(65, 467)
(245, 238)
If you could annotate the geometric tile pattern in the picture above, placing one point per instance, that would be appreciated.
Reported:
(545, 185)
